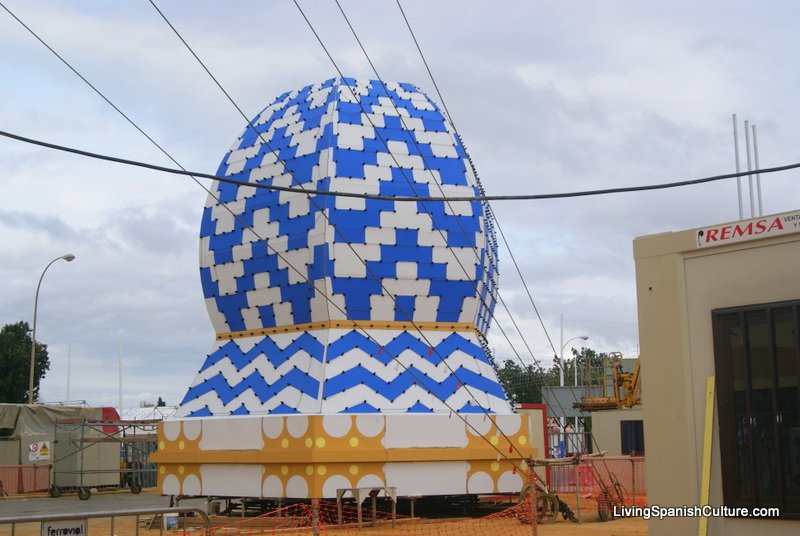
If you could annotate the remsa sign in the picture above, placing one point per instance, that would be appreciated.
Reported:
(748, 229)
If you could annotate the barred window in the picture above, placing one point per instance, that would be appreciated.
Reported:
(757, 361)
(632, 435)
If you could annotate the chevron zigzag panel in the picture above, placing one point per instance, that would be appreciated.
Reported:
(328, 305)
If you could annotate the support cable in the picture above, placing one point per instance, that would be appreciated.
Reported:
(397, 164)
(321, 210)
(410, 199)
(489, 279)
(330, 301)
(489, 209)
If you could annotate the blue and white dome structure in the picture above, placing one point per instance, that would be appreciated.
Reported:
(326, 304)
(350, 331)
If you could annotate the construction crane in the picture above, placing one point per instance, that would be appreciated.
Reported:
(610, 387)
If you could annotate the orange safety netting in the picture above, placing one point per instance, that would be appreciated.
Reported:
(322, 517)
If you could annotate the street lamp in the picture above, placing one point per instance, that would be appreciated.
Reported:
(69, 257)
(563, 420)
(561, 369)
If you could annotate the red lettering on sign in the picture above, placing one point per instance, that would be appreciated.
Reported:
(738, 230)
(776, 225)
(742, 230)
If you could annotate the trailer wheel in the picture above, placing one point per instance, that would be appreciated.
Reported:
(604, 506)
(84, 493)
(136, 488)
(546, 507)
(55, 491)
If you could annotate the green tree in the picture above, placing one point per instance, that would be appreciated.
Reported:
(15, 362)
(523, 384)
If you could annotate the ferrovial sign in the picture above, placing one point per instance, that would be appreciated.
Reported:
(729, 233)
(73, 527)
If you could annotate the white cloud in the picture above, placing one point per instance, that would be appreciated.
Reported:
(548, 97)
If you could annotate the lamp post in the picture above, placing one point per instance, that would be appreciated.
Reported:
(69, 257)
(563, 419)
(561, 374)
(585, 338)
(561, 369)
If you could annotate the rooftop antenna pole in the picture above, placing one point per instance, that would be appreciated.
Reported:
(119, 359)
(749, 167)
(758, 175)
(738, 170)
(69, 363)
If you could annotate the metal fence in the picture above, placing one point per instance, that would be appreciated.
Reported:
(80, 523)
(587, 478)
(564, 444)
(24, 478)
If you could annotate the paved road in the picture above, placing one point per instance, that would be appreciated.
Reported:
(98, 502)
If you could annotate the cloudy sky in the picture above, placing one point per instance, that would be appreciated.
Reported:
(548, 97)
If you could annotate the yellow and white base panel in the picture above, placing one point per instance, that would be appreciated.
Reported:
(311, 456)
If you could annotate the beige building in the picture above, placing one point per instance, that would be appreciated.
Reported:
(723, 301)
(619, 431)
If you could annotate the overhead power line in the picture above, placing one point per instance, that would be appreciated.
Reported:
(518, 197)
(490, 214)
(404, 172)
(319, 208)
(489, 207)
(184, 172)
(490, 277)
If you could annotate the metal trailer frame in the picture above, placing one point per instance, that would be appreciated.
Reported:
(129, 474)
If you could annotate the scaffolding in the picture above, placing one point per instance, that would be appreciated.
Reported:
(103, 454)
(607, 386)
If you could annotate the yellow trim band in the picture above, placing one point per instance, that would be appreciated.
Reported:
(351, 324)
(316, 455)
(708, 440)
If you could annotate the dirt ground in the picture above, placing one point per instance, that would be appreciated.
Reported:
(230, 526)
(617, 527)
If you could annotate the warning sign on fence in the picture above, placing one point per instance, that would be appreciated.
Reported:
(39, 451)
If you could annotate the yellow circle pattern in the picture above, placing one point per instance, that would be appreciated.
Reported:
(320, 442)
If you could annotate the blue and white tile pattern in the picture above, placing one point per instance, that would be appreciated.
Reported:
(271, 258)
